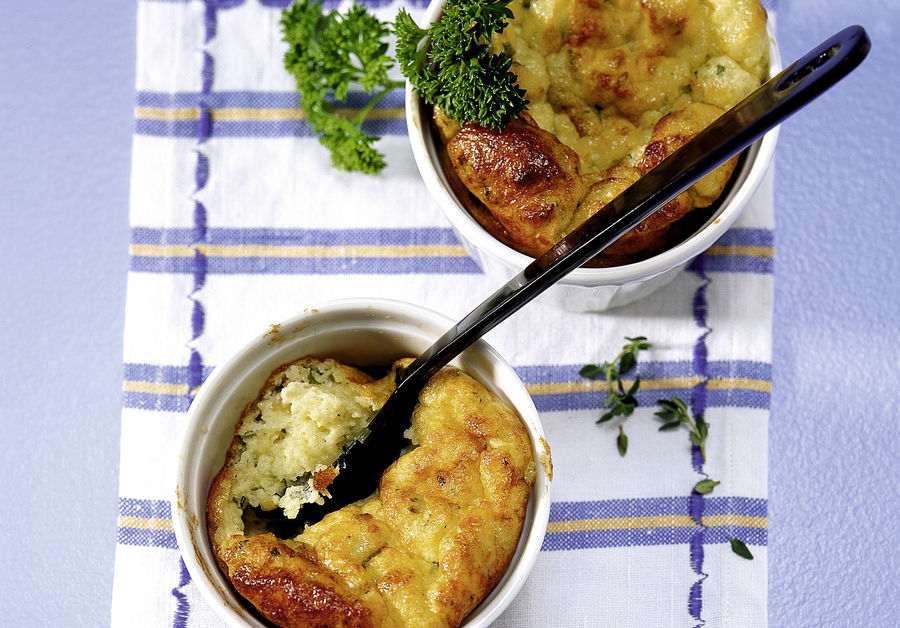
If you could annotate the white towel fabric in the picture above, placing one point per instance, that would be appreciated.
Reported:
(239, 221)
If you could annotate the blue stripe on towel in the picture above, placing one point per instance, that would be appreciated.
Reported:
(147, 538)
(747, 236)
(310, 265)
(596, 539)
(233, 236)
(603, 523)
(739, 383)
(559, 402)
(749, 369)
(148, 508)
(281, 4)
(653, 521)
(248, 99)
(654, 506)
(234, 262)
(255, 128)
(395, 251)
(145, 522)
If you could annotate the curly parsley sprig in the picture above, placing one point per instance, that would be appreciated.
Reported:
(621, 402)
(450, 64)
(327, 52)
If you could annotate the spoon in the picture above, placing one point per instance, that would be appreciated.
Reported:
(361, 465)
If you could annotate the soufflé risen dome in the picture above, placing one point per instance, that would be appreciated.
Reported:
(615, 86)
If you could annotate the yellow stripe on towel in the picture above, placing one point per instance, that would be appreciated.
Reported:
(659, 521)
(145, 523)
(659, 383)
(156, 388)
(740, 250)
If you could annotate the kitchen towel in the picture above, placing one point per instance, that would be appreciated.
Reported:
(238, 221)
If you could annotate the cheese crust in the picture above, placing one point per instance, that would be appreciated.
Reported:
(423, 551)
(615, 86)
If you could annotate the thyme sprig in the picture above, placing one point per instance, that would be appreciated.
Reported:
(621, 402)
(674, 413)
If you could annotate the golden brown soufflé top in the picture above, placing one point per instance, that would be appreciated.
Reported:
(615, 86)
(423, 551)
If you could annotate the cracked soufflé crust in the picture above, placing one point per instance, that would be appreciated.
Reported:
(423, 551)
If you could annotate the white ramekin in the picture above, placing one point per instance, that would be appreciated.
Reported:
(363, 333)
(585, 289)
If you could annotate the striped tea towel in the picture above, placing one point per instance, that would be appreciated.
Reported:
(239, 221)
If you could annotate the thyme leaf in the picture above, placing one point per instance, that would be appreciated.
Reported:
(622, 441)
(739, 548)
(705, 486)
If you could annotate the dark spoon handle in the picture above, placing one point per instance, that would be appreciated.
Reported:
(774, 101)
(736, 129)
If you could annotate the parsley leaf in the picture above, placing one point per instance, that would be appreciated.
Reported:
(450, 65)
(327, 53)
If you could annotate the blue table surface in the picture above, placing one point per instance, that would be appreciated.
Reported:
(67, 102)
